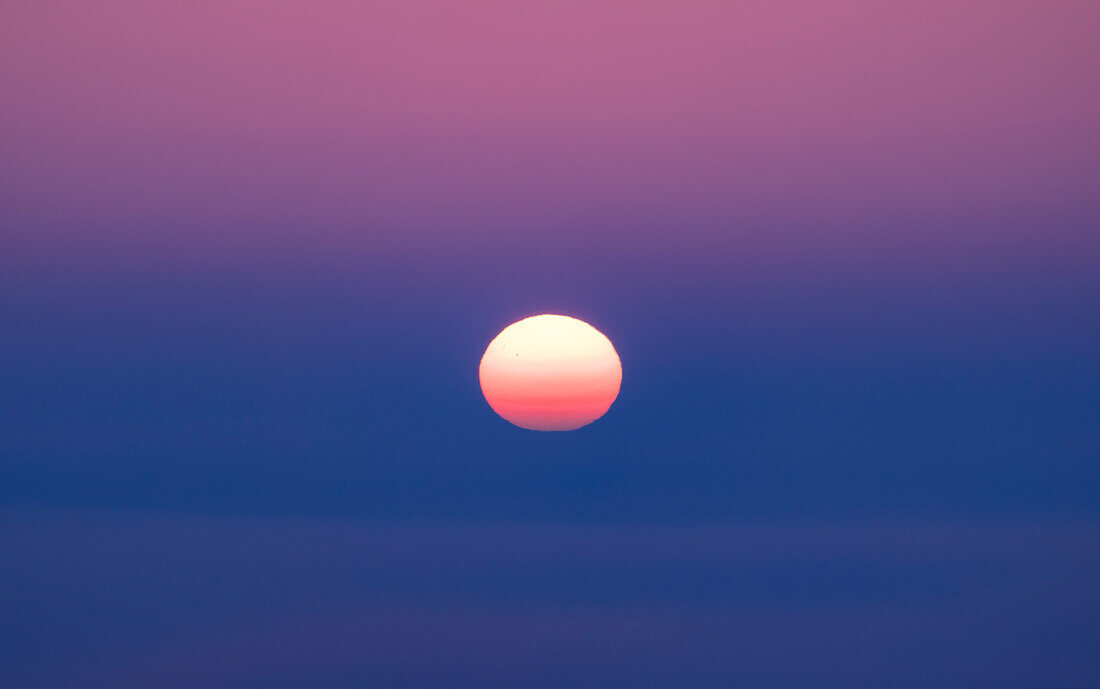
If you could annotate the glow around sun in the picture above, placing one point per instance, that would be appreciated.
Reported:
(550, 373)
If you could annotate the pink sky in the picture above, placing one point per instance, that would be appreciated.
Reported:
(739, 125)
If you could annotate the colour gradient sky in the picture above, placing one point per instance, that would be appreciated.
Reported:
(252, 252)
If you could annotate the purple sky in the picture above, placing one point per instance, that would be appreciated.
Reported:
(869, 128)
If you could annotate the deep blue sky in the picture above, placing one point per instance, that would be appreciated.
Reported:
(348, 387)
(278, 477)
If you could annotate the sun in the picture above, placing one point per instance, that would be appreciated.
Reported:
(550, 373)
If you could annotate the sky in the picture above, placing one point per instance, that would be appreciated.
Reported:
(252, 252)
